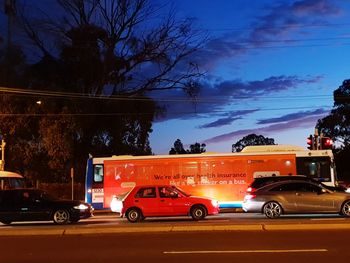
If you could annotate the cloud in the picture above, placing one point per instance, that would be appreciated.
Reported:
(279, 21)
(215, 96)
(293, 116)
(231, 117)
(304, 122)
(284, 18)
(316, 7)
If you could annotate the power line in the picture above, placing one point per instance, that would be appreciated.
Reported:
(336, 25)
(150, 113)
(69, 95)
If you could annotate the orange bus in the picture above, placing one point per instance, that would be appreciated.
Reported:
(11, 180)
(222, 176)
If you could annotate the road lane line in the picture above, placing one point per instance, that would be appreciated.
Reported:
(328, 219)
(247, 251)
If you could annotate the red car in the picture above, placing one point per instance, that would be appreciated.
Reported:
(165, 200)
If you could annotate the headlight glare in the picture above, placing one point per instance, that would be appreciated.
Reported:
(81, 207)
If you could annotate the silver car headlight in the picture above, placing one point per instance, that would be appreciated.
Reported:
(215, 203)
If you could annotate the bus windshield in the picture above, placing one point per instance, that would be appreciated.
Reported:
(317, 168)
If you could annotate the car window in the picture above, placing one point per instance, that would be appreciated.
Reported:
(146, 192)
(297, 187)
(290, 187)
(167, 192)
(304, 187)
(260, 182)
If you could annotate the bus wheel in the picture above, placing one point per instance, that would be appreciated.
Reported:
(134, 215)
(272, 209)
(345, 210)
(198, 212)
(61, 217)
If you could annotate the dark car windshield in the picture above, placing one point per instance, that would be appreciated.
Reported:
(44, 196)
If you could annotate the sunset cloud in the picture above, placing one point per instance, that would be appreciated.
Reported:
(305, 122)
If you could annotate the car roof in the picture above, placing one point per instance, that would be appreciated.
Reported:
(154, 185)
(272, 185)
(277, 177)
(261, 181)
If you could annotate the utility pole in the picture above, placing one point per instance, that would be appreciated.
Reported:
(72, 178)
(10, 11)
(2, 148)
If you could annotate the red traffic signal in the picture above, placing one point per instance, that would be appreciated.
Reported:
(310, 142)
(326, 143)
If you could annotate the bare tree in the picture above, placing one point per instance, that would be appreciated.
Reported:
(139, 48)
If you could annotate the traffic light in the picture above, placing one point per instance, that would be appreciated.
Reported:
(326, 143)
(310, 142)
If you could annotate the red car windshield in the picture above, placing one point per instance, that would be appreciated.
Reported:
(181, 191)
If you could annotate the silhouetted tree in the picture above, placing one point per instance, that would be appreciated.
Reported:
(194, 148)
(337, 124)
(251, 139)
(98, 65)
(197, 148)
(178, 148)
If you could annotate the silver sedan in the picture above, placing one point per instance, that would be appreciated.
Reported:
(296, 197)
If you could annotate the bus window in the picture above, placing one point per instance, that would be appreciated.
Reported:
(11, 183)
(316, 168)
(16, 182)
(98, 173)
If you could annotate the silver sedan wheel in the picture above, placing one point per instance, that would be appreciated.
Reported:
(61, 217)
(346, 208)
(272, 210)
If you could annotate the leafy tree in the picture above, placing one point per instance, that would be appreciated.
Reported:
(252, 139)
(98, 65)
(197, 148)
(337, 124)
(178, 148)
(194, 148)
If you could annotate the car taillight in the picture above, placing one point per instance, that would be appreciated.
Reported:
(249, 196)
(116, 205)
(251, 190)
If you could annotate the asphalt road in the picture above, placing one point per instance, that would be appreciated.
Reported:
(111, 223)
(239, 246)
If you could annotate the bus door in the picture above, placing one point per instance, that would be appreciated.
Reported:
(97, 192)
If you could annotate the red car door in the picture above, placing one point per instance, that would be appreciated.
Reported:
(147, 200)
(178, 203)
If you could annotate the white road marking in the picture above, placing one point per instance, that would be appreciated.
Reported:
(247, 251)
(328, 219)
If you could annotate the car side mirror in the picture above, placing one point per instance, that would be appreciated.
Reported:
(174, 195)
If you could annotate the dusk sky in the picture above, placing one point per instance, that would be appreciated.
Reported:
(271, 69)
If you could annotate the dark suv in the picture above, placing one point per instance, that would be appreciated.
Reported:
(262, 181)
(37, 205)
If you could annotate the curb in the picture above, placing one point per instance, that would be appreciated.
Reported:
(153, 229)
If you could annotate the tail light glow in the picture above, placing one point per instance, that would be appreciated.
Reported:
(251, 190)
(249, 196)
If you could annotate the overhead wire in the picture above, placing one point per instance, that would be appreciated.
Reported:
(200, 99)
